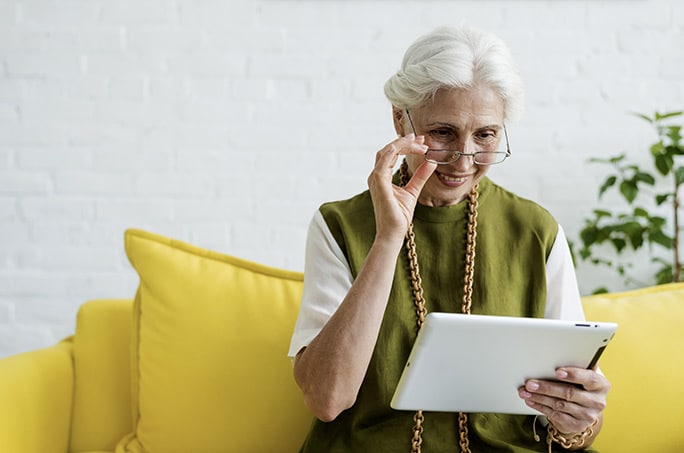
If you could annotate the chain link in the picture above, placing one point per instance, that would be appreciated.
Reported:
(419, 301)
(568, 441)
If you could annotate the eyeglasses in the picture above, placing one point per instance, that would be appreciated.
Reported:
(449, 156)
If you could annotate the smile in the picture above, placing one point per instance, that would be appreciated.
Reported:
(452, 180)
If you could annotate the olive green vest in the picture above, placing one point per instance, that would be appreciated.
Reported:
(514, 239)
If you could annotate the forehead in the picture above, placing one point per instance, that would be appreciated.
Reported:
(463, 107)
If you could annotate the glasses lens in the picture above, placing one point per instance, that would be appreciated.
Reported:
(439, 156)
(490, 158)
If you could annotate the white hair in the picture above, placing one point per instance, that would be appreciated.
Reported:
(456, 58)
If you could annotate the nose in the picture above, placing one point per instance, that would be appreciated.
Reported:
(464, 163)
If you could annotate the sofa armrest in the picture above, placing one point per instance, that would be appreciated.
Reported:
(36, 390)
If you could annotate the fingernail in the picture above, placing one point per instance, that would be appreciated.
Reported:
(525, 394)
(562, 374)
(532, 385)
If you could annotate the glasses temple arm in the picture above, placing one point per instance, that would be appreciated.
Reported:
(408, 115)
(508, 145)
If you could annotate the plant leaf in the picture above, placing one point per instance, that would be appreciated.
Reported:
(629, 190)
(657, 149)
(662, 198)
(602, 213)
(674, 133)
(589, 236)
(658, 237)
(657, 223)
(608, 183)
(676, 150)
(619, 244)
(664, 163)
(640, 212)
(662, 116)
(643, 117)
(644, 177)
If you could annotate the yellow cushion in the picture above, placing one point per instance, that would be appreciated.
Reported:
(210, 341)
(101, 406)
(645, 367)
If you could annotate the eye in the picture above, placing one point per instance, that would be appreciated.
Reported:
(442, 134)
(486, 136)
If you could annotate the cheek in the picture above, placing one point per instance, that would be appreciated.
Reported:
(481, 172)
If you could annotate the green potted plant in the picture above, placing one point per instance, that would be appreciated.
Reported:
(644, 194)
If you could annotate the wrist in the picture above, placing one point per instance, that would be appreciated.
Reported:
(388, 243)
(570, 441)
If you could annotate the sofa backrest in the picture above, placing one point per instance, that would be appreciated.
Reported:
(102, 395)
(644, 365)
(642, 362)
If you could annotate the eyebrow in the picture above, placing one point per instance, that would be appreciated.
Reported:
(497, 127)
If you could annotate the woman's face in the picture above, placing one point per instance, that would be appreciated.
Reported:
(460, 120)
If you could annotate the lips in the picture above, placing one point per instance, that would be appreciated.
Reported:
(452, 181)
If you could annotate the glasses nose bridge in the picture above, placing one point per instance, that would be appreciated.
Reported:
(463, 160)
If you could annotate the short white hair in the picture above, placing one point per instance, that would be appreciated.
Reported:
(456, 58)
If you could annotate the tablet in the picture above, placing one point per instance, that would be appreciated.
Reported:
(477, 363)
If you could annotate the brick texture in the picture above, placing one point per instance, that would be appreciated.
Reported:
(226, 124)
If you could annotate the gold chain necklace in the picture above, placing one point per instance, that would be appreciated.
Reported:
(419, 301)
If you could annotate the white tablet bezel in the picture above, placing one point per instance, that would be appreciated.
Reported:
(477, 363)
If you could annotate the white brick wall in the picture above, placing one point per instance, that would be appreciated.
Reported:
(226, 124)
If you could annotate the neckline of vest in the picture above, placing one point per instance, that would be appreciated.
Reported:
(451, 213)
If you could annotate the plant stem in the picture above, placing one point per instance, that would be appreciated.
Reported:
(675, 238)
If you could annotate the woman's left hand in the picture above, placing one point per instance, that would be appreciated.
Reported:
(573, 403)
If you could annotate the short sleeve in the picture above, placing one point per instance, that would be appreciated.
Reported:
(563, 299)
(327, 280)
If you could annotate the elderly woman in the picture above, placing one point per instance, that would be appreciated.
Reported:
(376, 262)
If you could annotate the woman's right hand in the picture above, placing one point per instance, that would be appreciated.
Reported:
(331, 369)
(393, 206)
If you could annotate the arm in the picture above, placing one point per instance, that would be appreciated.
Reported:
(331, 369)
(36, 390)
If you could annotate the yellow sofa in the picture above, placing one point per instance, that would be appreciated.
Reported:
(196, 363)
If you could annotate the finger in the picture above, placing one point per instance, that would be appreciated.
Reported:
(559, 391)
(386, 157)
(553, 404)
(420, 177)
(565, 402)
(565, 415)
(387, 153)
(380, 177)
(563, 421)
(410, 144)
(587, 378)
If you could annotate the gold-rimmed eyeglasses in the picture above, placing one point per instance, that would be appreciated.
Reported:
(442, 156)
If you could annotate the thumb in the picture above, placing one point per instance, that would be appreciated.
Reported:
(420, 177)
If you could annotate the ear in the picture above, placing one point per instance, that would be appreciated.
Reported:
(398, 117)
